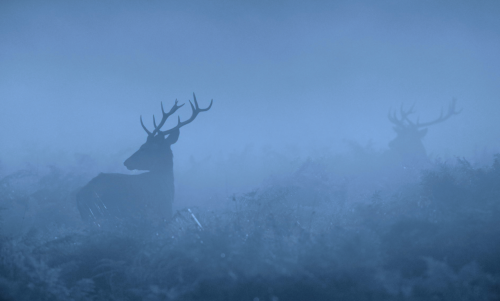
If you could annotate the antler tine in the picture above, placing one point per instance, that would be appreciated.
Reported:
(149, 133)
(196, 107)
(408, 112)
(393, 118)
(195, 111)
(451, 111)
(202, 110)
(195, 101)
(404, 116)
(163, 119)
(174, 108)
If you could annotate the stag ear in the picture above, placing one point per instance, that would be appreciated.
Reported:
(172, 137)
(422, 133)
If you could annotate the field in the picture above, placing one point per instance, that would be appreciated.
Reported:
(431, 234)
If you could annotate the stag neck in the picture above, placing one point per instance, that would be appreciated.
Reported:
(158, 176)
(164, 168)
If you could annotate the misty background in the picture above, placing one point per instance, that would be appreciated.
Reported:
(286, 189)
(295, 78)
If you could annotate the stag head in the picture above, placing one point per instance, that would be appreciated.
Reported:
(408, 143)
(156, 154)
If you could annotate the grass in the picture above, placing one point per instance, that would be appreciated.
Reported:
(294, 238)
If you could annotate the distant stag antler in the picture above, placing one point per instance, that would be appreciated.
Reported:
(408, 144)
(400, 122)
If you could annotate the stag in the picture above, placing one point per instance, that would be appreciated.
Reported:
(113, 195)
(408, 144)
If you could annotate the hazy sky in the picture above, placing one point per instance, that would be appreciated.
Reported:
(76, 75)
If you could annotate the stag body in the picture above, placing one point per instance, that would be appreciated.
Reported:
(407, 145)
(111, 195)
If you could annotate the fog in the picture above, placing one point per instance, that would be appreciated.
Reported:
(76, 76)
(294, 84)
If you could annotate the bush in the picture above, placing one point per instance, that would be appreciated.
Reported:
(293, 238)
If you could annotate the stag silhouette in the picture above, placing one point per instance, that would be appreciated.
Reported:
(113, 195)
(408, 144)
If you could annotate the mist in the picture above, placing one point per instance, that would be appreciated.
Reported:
(76, 77)
(301, 93)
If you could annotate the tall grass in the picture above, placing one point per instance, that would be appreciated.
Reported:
(300, 237)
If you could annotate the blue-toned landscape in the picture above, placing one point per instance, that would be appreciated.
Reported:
(331, 150)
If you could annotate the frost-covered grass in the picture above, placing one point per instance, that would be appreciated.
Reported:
(301, 237)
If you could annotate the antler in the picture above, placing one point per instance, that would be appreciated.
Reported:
(404, 116)
(195, 111)
(451, 111)
(163, 119)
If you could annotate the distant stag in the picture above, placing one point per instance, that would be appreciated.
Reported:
(408, 144)
(112, 195)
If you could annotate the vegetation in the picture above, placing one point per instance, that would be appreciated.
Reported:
(307, 236)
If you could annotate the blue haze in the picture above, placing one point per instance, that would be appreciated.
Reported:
(75, 76)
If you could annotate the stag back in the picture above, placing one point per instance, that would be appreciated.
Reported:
(120, 196)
